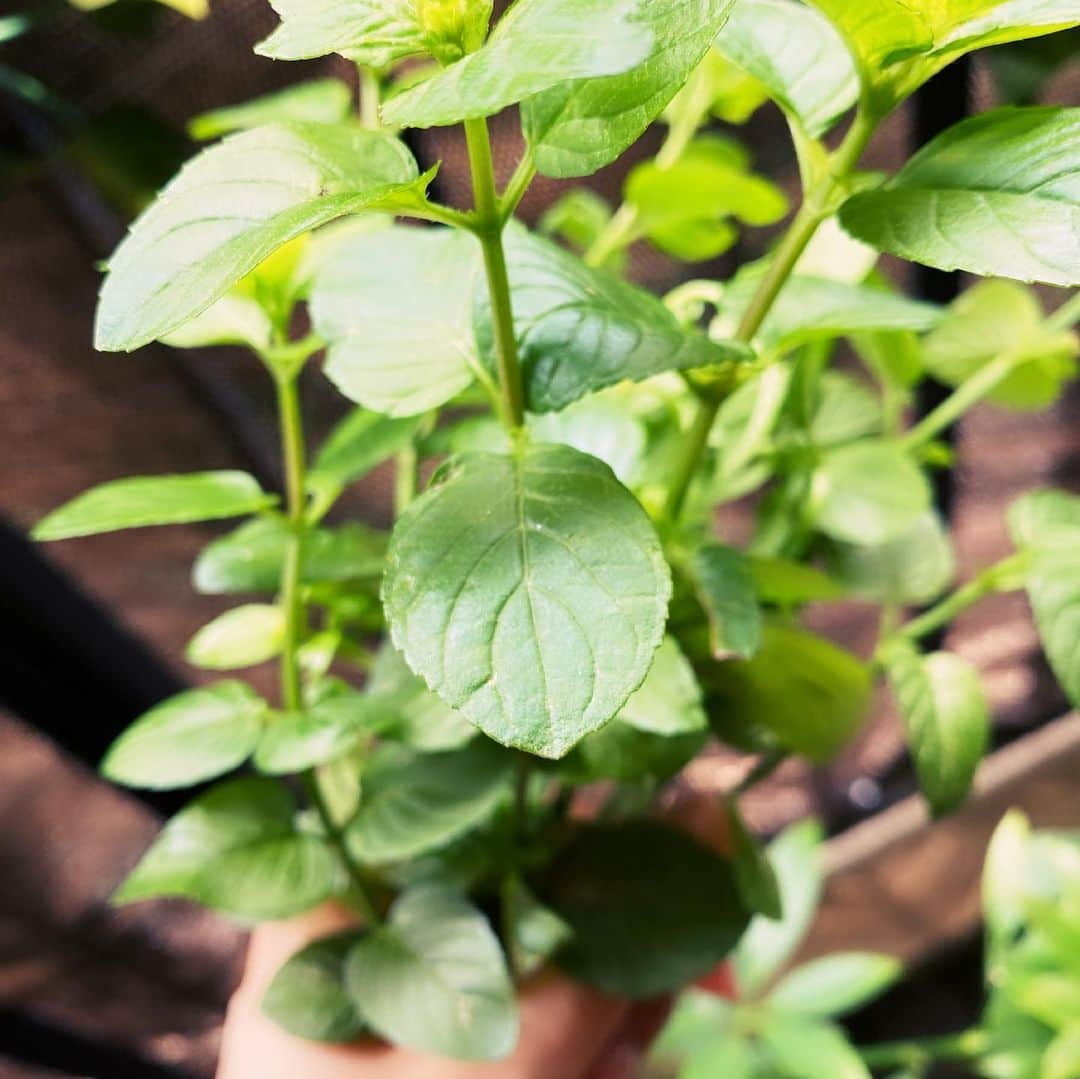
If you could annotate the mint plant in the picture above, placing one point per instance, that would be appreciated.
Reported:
(554, 608)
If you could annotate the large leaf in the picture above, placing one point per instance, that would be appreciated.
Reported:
(155, 500)
(997, 195)
(578, 127)
(836, 984)
(797, 55)
(530, 592)
(235, 849)
(414, 804)
(388, 352)
(189, 738)
(535, 46)
(326, 101)
(580, 330)
(947, 721)
(231, 207)
(641, 934)
(433, 978)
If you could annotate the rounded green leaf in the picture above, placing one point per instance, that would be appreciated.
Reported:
(242, 637)
(155, 500)
(836, 984)
(530, 592)
(641, 934)
(434, 979)
(187, 739)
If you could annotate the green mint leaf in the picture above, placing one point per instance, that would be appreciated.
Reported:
(669, 700)
(868, 492)
(806, 692)
(234, 205)
(797, 55)
(836, 984)
(795, 857)
(791, 584)
(698, 1036)
(384, 353)
(725, 586)
(577, 217)
(142, 501)
(643, 934)
(416, 804)
(995, 195)
(188, 739)
(307, 997)
(243, 637)
(805, 1048)
(536, 45)
(324, 101)
(250, 558)
(845, 410)
(580, 330)
(1045, 521)
(536, 932)
(886, 31)
(947, 721)
(530, 592)
(578, 127)
(235, 319)
(357, 445)
(434, 979)
(754, 874)
(235, 849)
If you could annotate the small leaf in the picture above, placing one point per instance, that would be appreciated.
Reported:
(414, 804)
(580, 330)
(578, 127)
(307, 996)
(536, 45)
(995, 195)
(946, 718)
(234, 205)
(1046, 520)
(868, 492)
(1062, 1057)
(669, 700)
(643, 934)
(835, 984)
(626, 754)
(155, 500)
(234, 849)
(530, 592)
(536, 932)
(578, 217)
(384, 353)
(797, 55)
(357, 445)
(699, 1020)
(791, 584)
(434, 979)
(242, 637)
(799, 1048)
(236, 319)
(326, 101)
(754, 874)
(725, 586)
(189, 738)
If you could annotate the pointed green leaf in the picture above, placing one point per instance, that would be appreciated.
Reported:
(235, 849)
(800, 1048)
(242, 637)
(414, 804)
(836, 984)
(700, 1020)
(326, 101)
(357, 445)
(155, 500)
(754, 874)
(580, 330)
(726, 590)
(530, 592)
(385, 353)
(433, 978)
(578, 127)
(797, 55)
(536, 45)
(231, 207)
(997, 195)
(947, 721)
(791, 584)
(187, 739)
(308, 997)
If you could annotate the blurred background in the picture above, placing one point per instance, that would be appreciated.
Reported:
(93, 108)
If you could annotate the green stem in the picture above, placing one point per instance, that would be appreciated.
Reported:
(918, 1053)
(370, 97)
(1066, 316)
(519, 183)
(488, 226)
(405, 479)
(761, 771)
(619, 233)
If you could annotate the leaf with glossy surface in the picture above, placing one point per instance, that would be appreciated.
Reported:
(386, 352)
(578, 127)
(725, 587)
(530, 592)
(234, 205)
(836, 984)
(434, 978)
(195, 736)
(326, 101)
(996, 195)
(643, 934)
(307, 996)
(536, 45)
(797, 55)
(580, 330)
(242, 637)
(947, 721)
(155, 500)
(235, 849)
(415, 804)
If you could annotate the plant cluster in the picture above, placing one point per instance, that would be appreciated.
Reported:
(554, 608)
